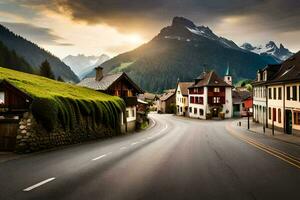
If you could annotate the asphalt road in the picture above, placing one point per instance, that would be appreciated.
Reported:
(177, 158)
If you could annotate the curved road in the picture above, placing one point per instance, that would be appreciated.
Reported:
(177, 158)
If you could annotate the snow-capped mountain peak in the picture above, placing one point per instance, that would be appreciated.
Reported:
(185, 30)
(269, 48)
(82, 64)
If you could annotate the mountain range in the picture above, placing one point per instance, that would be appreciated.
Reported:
(181, 51)
(34, 55)
(82, 65)
(280, 53)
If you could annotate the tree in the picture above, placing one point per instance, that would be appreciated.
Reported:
(59, 78)
(45, 70)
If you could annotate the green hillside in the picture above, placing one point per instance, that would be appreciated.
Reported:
(35, 55)
(9, 59)
(56, 102)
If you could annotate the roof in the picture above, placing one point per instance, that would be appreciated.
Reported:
(240, 96)
(184, 87)
(209, 79)
(289, 70)
(106, 82)
(142, 102)
(147, 95)
(166, 96)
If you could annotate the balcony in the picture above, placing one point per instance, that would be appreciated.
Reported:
(130, 101)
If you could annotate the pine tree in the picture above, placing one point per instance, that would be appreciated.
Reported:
(45, 70)
(59, 78)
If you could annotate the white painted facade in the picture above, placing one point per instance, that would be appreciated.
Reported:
(198, 110)
(259, 104)
(275, 106)
(181, 102)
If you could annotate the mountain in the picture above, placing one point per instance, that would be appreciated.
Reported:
(181, 51)
(9, 59)
(35, 55)
(281, 53)
(82, 64)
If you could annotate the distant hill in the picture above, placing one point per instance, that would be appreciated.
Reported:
(280, 53)
(181, 51)
(35, 55)
(82, 64)
(10, 59)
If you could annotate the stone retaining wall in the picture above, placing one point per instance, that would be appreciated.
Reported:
(31, 136)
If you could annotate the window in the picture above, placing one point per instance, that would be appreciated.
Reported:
(192, 99)
(279, 115)
(127, 113)
(2, 97)
(288, 93)
(296, 118)
(216, 89)
(190, 109)
(195, 110)
(200, 100)
(270, 93)
(196, 100)
(279, 93)
(274, 114)
(270, 114)
(216, 99)
(180, 109)
(201, 112)
(294, 93)
(274, 93)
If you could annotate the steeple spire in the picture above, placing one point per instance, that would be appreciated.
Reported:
(228, 71)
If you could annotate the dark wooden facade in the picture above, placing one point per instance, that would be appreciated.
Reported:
(126, 89)
(211, 95)
(12, 107)
(15, 100)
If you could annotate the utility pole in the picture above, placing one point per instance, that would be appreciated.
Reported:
(273, 126)
(248, 120)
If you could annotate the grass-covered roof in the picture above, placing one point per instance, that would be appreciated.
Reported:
(57, 102)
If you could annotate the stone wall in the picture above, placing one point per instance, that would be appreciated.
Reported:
(31, 136)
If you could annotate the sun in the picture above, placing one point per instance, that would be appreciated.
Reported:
(134, 39)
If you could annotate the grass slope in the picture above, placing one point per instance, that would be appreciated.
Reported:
(56, 102)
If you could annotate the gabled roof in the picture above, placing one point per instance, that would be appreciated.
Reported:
(106, 82)
(184, 87)
(166, 96)
(289, 70)
(209, 79)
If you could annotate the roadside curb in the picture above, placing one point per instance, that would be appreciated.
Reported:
(269, 136)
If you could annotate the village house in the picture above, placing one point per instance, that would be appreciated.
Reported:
(120, 85)
(242, 103)
(210, 96)
(167, 102)
(182, 98)
(151, 98)
(13, 104)
(277, 96)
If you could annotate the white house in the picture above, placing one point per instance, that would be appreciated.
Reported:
(210, 96)
(182, 98)
(277, 96)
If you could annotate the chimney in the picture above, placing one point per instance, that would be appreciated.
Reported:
(99, 73)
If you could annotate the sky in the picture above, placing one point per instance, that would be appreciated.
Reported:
(93, 27)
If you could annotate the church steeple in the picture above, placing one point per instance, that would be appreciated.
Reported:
(228, 77)
(228, 71)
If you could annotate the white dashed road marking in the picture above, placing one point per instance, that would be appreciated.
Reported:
(102, 156)
(39, 184)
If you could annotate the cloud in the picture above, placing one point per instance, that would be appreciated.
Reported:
(128, 15)
(37, 34)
